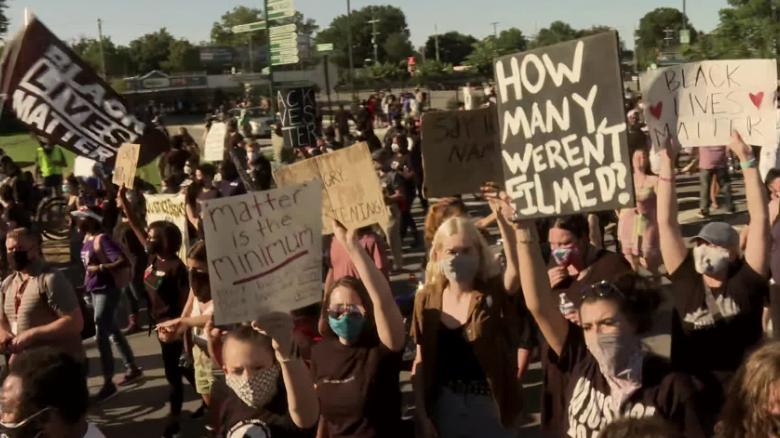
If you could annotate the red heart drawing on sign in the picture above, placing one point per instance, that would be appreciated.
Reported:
(656, 109)
(756, 98)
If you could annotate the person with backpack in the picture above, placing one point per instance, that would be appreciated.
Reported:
(107, 271)
(39, 306)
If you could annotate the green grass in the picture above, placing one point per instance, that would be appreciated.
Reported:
(21, 147)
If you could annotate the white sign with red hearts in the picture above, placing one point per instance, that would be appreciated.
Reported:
(702, 103)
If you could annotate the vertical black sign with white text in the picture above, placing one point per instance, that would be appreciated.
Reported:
(298, 109)
(562, 128)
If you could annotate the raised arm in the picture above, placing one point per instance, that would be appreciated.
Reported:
(757, 246)
(673, 250)
(535, 284)
(132, 220)
(501, 206)
(389, 322)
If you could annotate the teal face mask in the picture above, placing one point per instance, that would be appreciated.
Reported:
(347, 326)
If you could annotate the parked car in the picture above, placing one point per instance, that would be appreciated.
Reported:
(260, 121)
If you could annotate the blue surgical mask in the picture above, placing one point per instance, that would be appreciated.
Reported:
(348, 326)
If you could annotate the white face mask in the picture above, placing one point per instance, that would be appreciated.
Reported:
(258, 390)
(616, 353)
(709, 259)
(395, 147)
(460, 268)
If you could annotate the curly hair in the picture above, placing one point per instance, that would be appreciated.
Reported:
(746, 412)
(171, 235)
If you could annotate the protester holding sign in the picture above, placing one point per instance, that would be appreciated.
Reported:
(356, 367)
(466, 362)
(718, 295)
(267, 390)
(608, 373)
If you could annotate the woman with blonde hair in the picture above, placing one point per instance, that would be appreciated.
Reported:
(464, 322)
(752, 407)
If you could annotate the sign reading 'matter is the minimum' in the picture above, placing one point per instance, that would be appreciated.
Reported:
(562, 128)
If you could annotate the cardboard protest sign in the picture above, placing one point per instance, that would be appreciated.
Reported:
(57, 96)
(171, 208)
(460, 151)
(351, 191)
(298, 109)
(702, 103)
(562, 128)
(83, 167)
(264, 252)
(214, 149)
(124, 167)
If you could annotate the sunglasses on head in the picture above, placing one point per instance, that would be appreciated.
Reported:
(337, 310)
(602, 289)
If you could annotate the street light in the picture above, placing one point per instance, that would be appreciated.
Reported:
(374, 33)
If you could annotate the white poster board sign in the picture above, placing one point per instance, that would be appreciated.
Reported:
(164, 207)
(125, 165)
(264, 251)
(214, 149)
(702, 103)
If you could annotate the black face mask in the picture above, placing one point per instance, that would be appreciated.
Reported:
(18, 260)
(30, 427)
(153, 247)
(199, 282)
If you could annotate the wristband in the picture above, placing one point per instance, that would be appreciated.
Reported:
(747, 164)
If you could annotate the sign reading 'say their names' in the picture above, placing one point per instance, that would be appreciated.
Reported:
(562, 128)
(702, 103)
(264, 252)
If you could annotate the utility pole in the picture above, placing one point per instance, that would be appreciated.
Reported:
(495, 29)
(374, 34)
(100, 45)
(684, 26)
(349, 50)
(436, 40)
(271, 99)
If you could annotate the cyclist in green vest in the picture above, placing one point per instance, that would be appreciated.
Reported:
(49, 164)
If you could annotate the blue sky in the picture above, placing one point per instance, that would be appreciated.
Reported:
(124, 20)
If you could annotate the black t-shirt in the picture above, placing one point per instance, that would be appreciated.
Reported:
(716, 339)
(606, 266)
(229, 415)
(663, 393)
(358, 388)
(171, 284)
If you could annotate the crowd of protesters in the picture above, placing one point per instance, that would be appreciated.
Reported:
(553, 293)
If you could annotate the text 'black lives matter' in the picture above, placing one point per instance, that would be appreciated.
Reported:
(58, 96)
(298, 110)
(562, 128)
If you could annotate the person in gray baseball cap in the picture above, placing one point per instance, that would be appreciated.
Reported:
(718, 292)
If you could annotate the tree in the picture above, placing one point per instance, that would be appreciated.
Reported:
(454, 47)
(483, 56)
(3, 18)
(391, 21)
(558, 32)
(747, 29)
(511, 40)
(118, 61)
(431, 70)
(182, 57)
(222, 35)
(397, 47)
(650, 37)
(150, 51)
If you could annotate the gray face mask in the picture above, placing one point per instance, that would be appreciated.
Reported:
(461, 268)
(614, 352)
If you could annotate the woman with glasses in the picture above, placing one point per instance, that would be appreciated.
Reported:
(465, 327)
(610, 375)
(356, 367)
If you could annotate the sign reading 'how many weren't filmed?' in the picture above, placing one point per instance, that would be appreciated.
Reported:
(702, 103)
(264, 252)
(562, 128)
